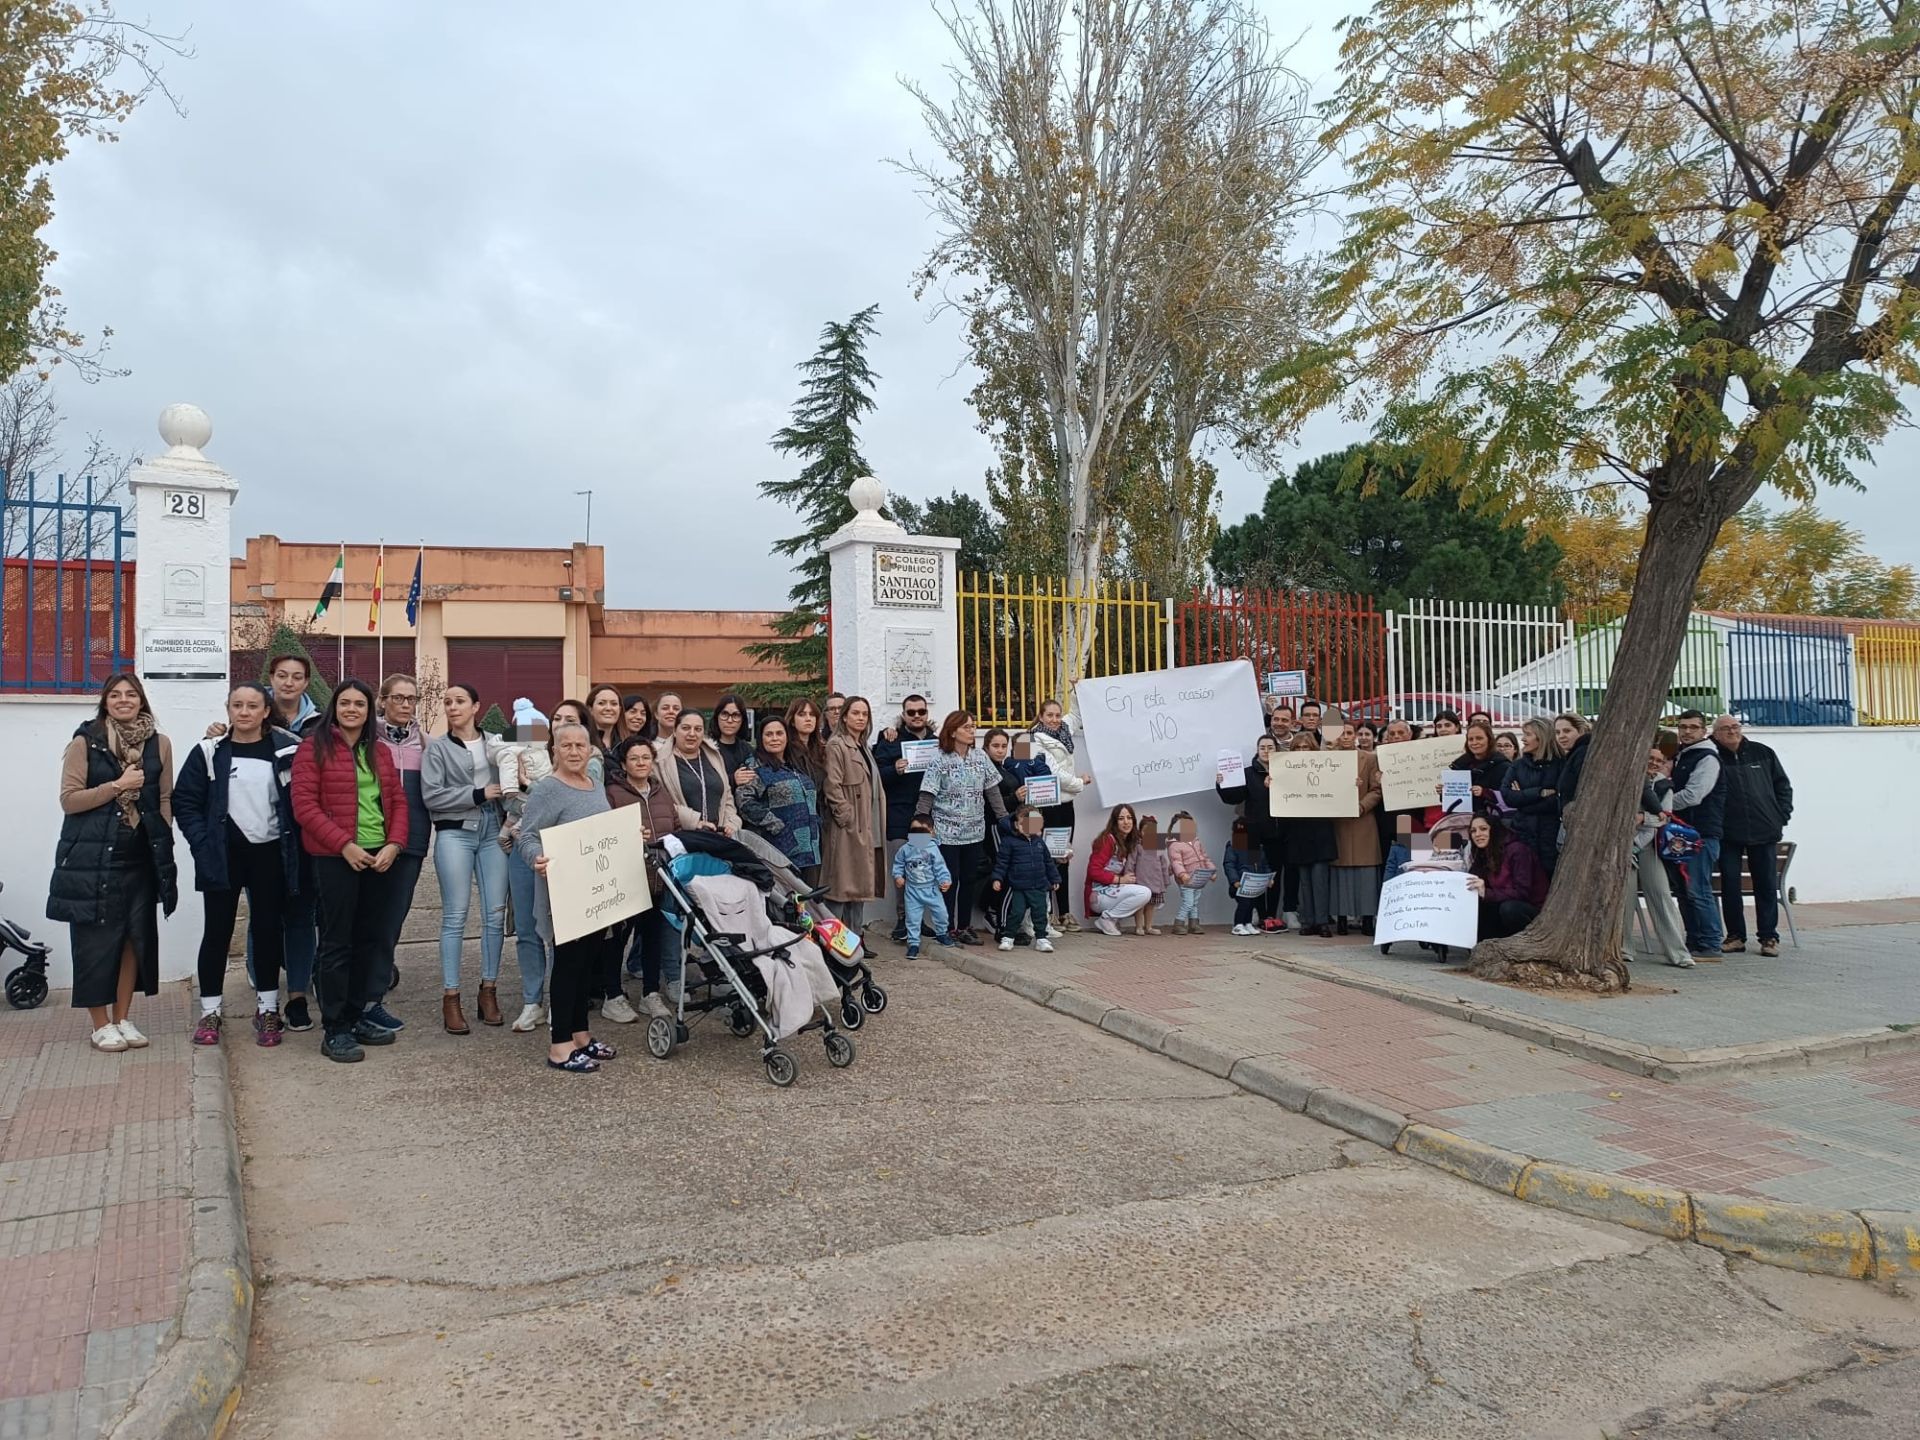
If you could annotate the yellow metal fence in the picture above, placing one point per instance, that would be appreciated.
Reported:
(1886, 662)
(1013, 628)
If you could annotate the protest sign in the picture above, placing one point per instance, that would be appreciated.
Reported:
(1059, 841)
(1042, 790)
(1148, 736)
(1314, 784)
(1230, 770)
(596, 873)
(1287, 684)
(918, 753)
(1410, 770)
(1456, 790)
(1431, 905)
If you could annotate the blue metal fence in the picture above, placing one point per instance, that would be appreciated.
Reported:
(66, 595)
(1790, 671)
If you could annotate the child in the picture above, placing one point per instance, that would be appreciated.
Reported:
(1150, 869)
(1192, 871)
(1024, 877)
(921, 871)
(1244, 858)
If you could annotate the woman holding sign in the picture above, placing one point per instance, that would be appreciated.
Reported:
(566, 795)
(1306, 844)
(1053, 743)
(957, 792)
(1256, 810)
(1504, 874)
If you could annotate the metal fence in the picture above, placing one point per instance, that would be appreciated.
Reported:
(1886, 660)
(1699, 680)
(1509, 660)
(66, 595)
(1013, 629)
(1338, 640)
(1790, 671)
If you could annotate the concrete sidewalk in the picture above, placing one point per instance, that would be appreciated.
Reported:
(1844, 1135)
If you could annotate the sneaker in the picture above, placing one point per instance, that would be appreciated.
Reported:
(617, 1009)
(913, 952)
(1069, 924)
(947, 941)
(207, 1032)
(108, 1037)
(532, 1017)
(1043, 945)
(1006, 942)
(368, 1033)
(1703, 954)
(1269, 925)
(654, 1006)
(1243, 929)
(135, 1040)
(967, 937)
(1685, 962)
(296, 1015)
(383, 1017)
(267, 1029)
(1734, 947)
(1769, 947)
(898, 935)
(343, 1048)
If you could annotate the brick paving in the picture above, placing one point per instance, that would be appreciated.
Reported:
(94, 1199)
(1845, 1136)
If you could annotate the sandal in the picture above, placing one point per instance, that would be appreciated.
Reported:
(578, 1063)
(597, 1050)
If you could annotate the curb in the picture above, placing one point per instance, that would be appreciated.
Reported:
(192, 1394)
(1881, 1245)
(1657, 1062)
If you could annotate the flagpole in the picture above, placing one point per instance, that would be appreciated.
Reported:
(380, 615)
(340, 622)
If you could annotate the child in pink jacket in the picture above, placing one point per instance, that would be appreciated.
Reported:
(1192, 871)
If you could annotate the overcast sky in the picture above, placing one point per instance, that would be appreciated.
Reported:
(430, 278)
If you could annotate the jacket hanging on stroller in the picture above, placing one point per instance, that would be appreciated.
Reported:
(795, 986)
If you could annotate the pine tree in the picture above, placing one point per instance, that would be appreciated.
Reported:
(836, 393)
(494, 722)
(286, 641)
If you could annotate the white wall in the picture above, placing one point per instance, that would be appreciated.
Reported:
(34, 731)
(1856, 798)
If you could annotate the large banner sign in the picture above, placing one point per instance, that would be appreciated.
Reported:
(1159, 734)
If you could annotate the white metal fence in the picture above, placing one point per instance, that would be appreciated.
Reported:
(1450, 655)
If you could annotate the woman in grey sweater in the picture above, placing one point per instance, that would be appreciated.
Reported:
(566, 795)
(460, 780)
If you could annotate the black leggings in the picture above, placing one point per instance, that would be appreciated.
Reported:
(1244, 906)
(1504, 917)
(575, 966)
(259, 871)
(963, 862)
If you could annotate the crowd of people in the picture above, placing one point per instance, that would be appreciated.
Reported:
(324, 819)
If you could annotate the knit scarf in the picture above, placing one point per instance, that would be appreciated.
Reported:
(128, 743)
(1063, 737)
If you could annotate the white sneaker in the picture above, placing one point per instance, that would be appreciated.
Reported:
(1292, 917)
(1243, 929)
(1043, 945)
(1104, 924)
(1006, 942)
(617, 1009)
(532, 1017)
(670, 992)
(655, 1006)
(135, 1040)
(108, 1037)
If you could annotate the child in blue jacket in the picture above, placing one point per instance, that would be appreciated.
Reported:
(1024, 876)
(920, 870)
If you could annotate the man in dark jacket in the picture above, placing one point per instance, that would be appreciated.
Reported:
(902, 787)
(1759, 805)
(1700, 800)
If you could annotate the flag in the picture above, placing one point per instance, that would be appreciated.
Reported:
(413, 590)
(373, 606)
(336, 582)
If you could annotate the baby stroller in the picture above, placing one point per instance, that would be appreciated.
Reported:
(763, 976)
(27, 981)
(844, 952)
(1447, 850)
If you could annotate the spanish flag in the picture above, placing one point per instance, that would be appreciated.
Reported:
(379, 575)
(336, 582)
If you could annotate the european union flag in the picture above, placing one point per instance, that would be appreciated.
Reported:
(413, 590)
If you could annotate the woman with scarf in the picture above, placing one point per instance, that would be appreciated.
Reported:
(1053, 742)
(780, 803)
(114, 863)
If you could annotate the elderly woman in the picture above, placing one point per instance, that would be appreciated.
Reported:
(568, 794)
(856, 816)
(957, 792)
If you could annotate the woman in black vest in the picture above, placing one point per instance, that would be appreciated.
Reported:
(114, 862)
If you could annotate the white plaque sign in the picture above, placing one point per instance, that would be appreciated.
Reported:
(907, 579)
(184, 655)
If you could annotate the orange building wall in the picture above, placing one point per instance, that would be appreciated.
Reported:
(697, 653)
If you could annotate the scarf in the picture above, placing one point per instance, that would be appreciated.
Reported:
(1062, 737)
(127, 743)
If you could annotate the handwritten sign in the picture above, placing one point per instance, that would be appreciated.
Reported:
(1410, 770)
(1314, 784)
(1456, 791)
(918, 754)
(1148, 736)
(1431, 905)
(1042, 790)
(596, 873)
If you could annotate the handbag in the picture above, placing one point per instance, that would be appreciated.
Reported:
(1678, 841)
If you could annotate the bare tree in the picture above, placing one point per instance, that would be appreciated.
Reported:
(34, 461)
(1103, 166)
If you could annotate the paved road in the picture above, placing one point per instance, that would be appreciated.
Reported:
(999, 1222)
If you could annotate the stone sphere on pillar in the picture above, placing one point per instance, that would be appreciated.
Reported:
(185, 429)
(867, 496)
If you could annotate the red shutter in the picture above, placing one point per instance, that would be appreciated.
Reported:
(504, 670)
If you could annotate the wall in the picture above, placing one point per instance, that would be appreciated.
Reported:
(1856, 793)
(698, 654)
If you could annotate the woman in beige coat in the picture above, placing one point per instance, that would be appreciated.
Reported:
(1356, 861)
(856, 828)
(695, 776)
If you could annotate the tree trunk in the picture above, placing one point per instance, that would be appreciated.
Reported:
(1579, 932)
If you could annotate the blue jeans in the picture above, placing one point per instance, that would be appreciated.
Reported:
(301, 934)
(1705, 932)
(461, 856)
(528, 947)
(1398, 858)
(1190, 902)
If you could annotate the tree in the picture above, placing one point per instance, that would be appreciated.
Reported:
(32, 458)
(982, 540)
(837, 392)
(494, 722)
(289, 641)
(1354, 521)
(1112, 176)
(60, 64)
(1667, 248)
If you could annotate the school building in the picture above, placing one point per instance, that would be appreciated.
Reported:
(508, 621)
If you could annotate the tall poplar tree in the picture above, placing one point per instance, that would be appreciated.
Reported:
(836, 392)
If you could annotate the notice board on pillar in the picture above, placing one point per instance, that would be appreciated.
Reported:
(1160, 733)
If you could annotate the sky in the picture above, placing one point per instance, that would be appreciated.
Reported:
(431, 279)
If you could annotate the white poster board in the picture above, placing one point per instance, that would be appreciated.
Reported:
(1410, 770)
(1431, 905)
(918, 754)
(596, 873)
(1456, 791)
(1158, 734)
(1314, 784)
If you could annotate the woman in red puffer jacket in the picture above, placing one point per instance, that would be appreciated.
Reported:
(352, 811)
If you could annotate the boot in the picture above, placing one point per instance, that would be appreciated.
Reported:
(489, 1004)
(1179, 927)
(1193, 928)
(450, 1015)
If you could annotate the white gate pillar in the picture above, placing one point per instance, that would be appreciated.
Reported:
(182, 514)
(892, 611)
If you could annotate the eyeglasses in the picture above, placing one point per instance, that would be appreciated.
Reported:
(916, 714)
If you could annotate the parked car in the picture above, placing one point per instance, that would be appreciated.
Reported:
(1420, 706)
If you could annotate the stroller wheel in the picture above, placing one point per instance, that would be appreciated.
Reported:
(873, 998)
(660, 1037)
(839, 1050)
(739, 1021)
(26, 988)
(780, 1068)
(851, 1015)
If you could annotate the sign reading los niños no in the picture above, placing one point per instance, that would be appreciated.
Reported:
(907, 578)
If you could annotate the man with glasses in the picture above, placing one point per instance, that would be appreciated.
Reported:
(1759, 807)
(400, 733)
(1700, 800)
(832, 710)
(902, 788)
